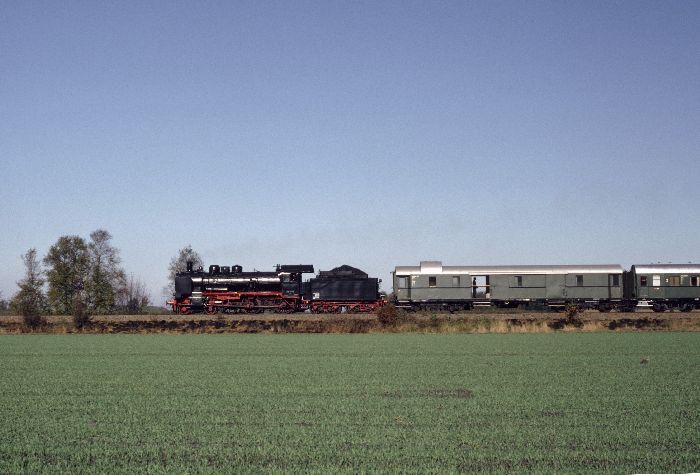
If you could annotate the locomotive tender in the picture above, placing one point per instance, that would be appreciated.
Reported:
(230, 290)
(661, 287)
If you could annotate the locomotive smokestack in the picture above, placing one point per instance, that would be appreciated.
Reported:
(189, 266)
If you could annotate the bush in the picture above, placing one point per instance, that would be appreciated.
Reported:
(387, 315)
(25, 305)
(81, 318)
(572, 310)
(435, 321)
(572, 315)
(33, 320)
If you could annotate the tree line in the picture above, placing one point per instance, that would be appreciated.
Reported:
(80, 277)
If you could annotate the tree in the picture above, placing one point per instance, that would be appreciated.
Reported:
(81, 317)
(104, 275)
(69, 263)
(179, 264)
(133, 296)
(30, 301)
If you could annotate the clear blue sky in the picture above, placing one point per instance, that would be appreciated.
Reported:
(366, 133)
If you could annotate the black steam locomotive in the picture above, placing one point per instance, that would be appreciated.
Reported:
(225, 289)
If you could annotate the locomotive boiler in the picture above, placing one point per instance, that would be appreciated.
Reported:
(231, 290)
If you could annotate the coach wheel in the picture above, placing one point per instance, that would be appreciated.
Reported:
(660, 307)
(687, 307)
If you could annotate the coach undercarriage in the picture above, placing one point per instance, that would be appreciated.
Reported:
(620, 305)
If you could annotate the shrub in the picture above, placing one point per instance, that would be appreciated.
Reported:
(29, 308)
(572, 310)
(387, 315)
(435, 321)
(572, 315)
(33, 319)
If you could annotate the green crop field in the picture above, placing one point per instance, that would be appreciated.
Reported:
(618, 402)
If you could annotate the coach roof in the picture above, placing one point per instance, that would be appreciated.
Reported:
(436, 267)
(666, 268)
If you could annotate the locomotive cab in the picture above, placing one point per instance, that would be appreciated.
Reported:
(291, 278)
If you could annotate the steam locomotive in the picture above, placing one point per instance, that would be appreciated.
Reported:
(228, 289)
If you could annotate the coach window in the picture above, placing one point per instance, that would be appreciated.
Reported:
(642, 281)
(615, 280)
(694, 281)
(674, 281)
(455, 281)
(403, 282)
(656, 280)
(518, 280)
(432, 281)
(579, 281)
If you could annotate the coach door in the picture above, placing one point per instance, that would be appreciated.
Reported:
(656, 289)
(613, 286)
(404, 282)
(642, 286)
(556, 286)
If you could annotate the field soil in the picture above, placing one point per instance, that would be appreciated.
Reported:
(467, 322)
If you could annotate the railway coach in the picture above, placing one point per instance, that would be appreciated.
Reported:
(433, 286)
(664, 286)
(661, 287)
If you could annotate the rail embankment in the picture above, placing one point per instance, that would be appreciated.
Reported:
(468, 322)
